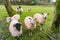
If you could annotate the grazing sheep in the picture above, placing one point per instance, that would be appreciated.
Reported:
(30, 24)
(29, 9)
(19, 9)
(41, 18)
(15, 27)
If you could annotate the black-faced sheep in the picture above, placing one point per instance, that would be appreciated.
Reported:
(15, 27)
(41, 18)
(19, 9)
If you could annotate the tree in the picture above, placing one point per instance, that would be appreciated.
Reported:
(9, 9)
(56, 20)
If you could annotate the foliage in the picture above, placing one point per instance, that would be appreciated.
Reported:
(28, 2)
(9, 9)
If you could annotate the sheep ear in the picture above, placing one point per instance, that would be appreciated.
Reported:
(17, 17)
(29, 18)
(42, 13)
(48, 14)
(8, 19)
(19, 6)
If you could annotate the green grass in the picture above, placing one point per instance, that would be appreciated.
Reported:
(37, 34)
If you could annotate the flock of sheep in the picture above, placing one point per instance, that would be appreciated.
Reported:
(15, 26)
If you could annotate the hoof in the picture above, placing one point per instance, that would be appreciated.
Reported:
(30, 34)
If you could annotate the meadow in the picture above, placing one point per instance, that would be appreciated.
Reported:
(37, 34)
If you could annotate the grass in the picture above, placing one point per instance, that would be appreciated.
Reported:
(37, 34)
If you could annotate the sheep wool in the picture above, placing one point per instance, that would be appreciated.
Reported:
(29, 9)
(19, 9)
(30, 23)
(13, 30)
(16, 17)
(39, 18)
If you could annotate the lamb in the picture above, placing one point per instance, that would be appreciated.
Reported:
(41, 18)
(30, 24)
(15, 27)
(19, 9)
(29, 9)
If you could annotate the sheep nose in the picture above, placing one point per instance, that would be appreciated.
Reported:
(35, 19)
(32, 23)
(45, 18)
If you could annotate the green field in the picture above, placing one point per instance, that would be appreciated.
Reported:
(37, 34)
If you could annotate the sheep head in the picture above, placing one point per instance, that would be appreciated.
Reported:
(15, 17)
(45, 15)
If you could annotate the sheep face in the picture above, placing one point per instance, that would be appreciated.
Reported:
(19, 10)
(18, 26)
(32, 22)
(45, 15)
(29, 23)
(37, 17)
(15, 28)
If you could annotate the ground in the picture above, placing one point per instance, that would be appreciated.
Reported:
(37, 34)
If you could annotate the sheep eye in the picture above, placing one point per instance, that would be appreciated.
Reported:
(29, 18)
(14, 25)
(32, 23)
(48, 14)
(35, 18)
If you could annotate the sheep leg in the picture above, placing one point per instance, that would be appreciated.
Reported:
(41, 27)
(30, 32)
(20, 13)
(27, 32)
(17, 38)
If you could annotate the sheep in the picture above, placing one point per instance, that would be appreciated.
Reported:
(19, 9)
(29, 9)
(41, 18)
(30, 24)
(15, 27)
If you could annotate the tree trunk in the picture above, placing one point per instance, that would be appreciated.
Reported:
(56, 21)
(9, 9)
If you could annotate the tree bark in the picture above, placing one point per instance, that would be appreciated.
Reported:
(9, 9)
(56, 21)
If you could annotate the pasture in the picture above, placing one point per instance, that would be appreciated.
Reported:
(37, 34)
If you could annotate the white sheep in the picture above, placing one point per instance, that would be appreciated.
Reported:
(15, 27)
(41, 18)
(30, 24)
(29, 9)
